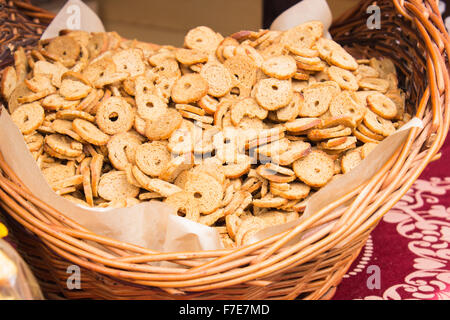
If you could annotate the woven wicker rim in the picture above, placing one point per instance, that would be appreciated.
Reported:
(253, 264)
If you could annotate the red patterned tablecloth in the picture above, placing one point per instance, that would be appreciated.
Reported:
(408, 254)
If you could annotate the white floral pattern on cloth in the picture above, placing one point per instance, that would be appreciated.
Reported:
(421, 218)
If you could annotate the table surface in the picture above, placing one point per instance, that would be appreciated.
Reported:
(407, 256)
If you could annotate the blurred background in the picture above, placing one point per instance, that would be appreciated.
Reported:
(167, 21)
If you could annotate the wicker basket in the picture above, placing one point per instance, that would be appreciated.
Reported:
(414, 36)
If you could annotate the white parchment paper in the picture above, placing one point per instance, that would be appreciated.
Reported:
(304, 11)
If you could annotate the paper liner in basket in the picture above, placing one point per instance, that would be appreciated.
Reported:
(304, 11)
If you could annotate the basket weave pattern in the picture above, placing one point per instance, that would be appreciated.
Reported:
(413, 35)
(21, 24)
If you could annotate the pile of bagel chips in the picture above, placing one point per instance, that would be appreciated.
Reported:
(235, 133)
